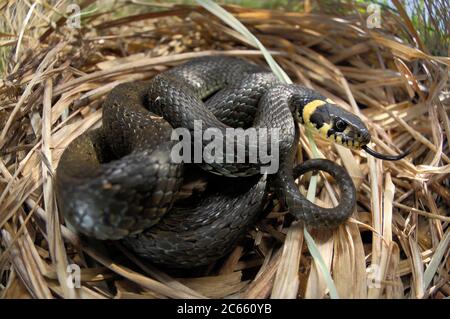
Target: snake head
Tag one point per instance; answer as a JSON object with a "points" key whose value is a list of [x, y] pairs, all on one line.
{"points": [[346, 128], [323, 116], [334, 123]]}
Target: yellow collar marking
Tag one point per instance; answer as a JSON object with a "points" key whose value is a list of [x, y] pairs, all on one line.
{"points": [[324, 130], [309, 109]]}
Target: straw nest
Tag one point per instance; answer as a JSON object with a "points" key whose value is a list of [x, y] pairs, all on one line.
{"points": [[56, 77]]}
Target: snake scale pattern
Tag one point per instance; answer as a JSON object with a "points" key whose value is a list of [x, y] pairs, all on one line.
{"points": [[119, 182]]}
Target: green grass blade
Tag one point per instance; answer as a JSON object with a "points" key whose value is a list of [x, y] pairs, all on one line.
{"points": [[441, 249], [321, 264], [309, 240], [229, 19]]}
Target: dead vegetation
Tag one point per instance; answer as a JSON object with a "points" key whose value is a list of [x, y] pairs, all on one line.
{"points": [[55, 78]]}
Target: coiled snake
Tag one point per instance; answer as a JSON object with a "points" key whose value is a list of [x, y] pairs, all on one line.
{"points": [[120, 181]]}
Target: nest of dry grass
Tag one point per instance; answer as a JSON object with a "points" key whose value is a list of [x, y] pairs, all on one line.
{"points": [[395, 246]]}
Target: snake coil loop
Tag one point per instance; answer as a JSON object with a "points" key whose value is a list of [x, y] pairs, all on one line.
{"points": [[120, 181]]}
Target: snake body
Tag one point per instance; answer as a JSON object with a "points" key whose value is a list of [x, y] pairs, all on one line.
{"points": [[120, 182]]}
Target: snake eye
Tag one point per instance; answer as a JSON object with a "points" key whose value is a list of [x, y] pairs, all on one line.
{"points": [[340, 125]]}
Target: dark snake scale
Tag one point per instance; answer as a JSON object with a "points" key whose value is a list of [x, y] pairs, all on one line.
{"points": [[119, 182]]}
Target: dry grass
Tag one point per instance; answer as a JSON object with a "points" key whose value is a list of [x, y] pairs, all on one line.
{"points": [[396, 244]]}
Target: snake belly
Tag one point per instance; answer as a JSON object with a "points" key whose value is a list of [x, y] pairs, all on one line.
{"points": [[120, 182]]}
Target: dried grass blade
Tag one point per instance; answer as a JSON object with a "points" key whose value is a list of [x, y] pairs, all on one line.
{"points": [[286, 279], [139, 279], [56, 244]]}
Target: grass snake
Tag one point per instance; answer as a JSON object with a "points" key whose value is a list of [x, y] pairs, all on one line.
{"points": [[119, 182]]}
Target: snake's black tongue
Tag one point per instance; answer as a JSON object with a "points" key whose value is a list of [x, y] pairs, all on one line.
{"points": [[383, 156]]}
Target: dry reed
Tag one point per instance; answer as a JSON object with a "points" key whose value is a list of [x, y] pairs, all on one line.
{"points": [[54, 81]]}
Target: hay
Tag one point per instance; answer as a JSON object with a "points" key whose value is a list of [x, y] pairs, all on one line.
{"points": [[55, 79]]}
